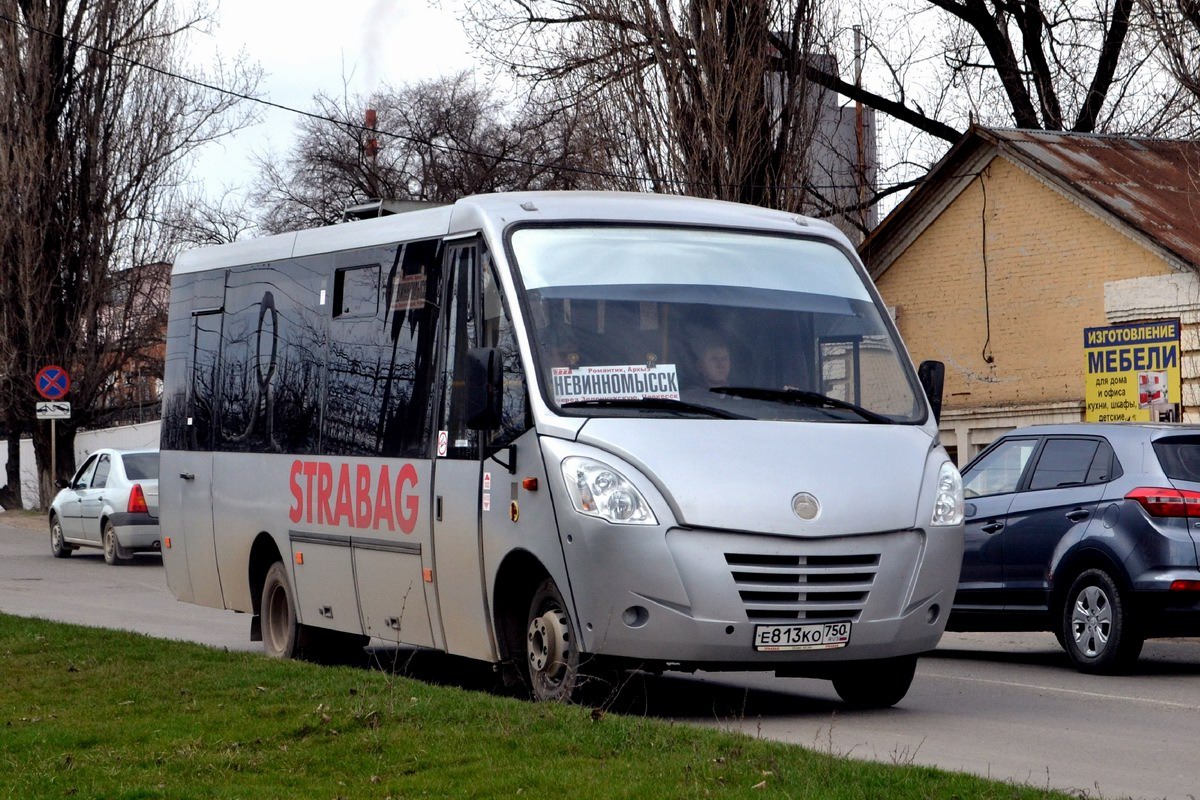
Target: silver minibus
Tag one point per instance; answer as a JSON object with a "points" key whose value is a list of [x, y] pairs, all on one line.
{"points": [[565, 433]]}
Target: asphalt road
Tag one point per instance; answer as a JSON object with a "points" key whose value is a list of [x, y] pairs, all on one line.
{"points": [[1006, 706]]}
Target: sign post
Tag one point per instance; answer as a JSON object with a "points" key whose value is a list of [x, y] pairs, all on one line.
{"points": [[52, 382]]}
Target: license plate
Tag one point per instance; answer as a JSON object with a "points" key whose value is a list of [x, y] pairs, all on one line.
{"points": [[820, 636]]}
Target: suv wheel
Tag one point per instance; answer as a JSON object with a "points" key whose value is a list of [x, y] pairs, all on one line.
{"points": [[1096, 625]]}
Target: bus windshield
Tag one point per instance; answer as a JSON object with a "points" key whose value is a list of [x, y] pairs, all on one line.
{"points": [[662, 321]]}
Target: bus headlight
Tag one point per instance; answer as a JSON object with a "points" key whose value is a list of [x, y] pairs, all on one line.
{"points": [[948, 505], [598, 490]]}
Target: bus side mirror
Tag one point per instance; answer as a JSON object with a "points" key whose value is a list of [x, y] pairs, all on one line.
{"points": [[485, 388], [932, 375]]}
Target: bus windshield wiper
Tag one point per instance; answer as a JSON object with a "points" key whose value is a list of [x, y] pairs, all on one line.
{"points": [[801, 397], [655, 403]]}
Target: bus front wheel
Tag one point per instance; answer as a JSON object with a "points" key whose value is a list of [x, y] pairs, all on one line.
{"points": [[280, 631], [551, 646], [875, 684]]}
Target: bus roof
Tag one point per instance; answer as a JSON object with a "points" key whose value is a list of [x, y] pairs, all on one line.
{"points": [[494, 212]]}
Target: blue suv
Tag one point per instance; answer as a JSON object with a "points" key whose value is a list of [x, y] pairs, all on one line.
{"points": [[1086, 530]]}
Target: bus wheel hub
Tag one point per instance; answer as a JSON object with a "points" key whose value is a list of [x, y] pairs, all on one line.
{"points": [[546, 642]]}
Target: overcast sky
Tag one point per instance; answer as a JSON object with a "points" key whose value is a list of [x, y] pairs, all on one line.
{"points": [[305, 46]]}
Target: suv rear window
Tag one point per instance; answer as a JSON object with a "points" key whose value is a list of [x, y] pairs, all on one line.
{"points": [[1179, 457]]}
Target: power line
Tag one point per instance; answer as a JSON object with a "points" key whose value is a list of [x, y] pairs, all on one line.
{"points": [[644, 179]]}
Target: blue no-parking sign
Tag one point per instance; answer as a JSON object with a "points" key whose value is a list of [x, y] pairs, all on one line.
{"points": [[52, 382]]}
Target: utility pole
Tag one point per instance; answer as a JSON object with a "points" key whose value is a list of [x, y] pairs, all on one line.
{"points": [[860, 166]]}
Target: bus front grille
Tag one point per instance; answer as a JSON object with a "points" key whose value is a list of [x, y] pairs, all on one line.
{"points": [[782, 588]]}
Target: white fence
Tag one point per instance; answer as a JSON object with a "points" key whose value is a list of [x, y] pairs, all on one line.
{"points": [[126, 437]]}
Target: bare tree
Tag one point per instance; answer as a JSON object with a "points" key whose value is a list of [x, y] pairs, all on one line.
{"points": [[432, 141], [1059, 65], [676, 81], [1176, 24], [706, 97], [195, 218], [97, 132]]}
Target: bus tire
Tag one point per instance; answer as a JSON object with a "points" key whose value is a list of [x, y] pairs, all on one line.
{"points": [[280, 630], [880, 683], [551, 647]]}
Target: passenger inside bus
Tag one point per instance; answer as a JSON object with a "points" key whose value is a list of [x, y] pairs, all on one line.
{"points": [[715, 363]]}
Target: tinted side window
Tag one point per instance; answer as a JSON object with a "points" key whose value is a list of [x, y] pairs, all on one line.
{"points": [[299, 380], [1064, 462], [206, 355], [190, 294], [359, 358], [1179, 457], [356, 291], [103, 467], [239, 397], [1104, 466], [272, 358], [461, 335], [381, 351], [999, 470], [497, 332]]}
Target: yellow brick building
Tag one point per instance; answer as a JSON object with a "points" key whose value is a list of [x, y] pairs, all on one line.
{"points": [[1019, 241]]}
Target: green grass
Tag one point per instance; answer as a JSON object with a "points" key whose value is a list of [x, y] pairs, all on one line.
{"points": [[92, 713]]}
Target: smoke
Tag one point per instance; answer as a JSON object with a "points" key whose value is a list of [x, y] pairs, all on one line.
{"points": [[383, 16]]}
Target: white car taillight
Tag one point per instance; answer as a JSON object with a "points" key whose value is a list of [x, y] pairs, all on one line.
{"points": [[137, 500]]}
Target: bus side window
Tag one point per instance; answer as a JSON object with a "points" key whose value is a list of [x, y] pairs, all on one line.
{"points": [[412, 312], [359, 361], [497, 332], [272, 358], [461, 335], [206, 354], [382, 337]]}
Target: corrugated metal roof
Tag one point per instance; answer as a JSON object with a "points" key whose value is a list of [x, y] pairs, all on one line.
{"points": [[1151, 185]]}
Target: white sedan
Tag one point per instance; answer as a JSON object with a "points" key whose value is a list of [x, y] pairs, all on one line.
{"points": [[111, 502]]}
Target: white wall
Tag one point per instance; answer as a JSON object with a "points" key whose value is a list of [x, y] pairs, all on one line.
{"points": [[126, 437]]}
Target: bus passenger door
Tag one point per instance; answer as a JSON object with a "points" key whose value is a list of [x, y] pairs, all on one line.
{"points": [[458, 574]]}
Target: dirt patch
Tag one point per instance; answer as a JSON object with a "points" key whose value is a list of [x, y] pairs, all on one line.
{"points": [[26, 520]]}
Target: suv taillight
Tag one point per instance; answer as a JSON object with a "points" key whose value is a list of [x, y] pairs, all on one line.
{"points": [[1167, 502], [137, 500]]}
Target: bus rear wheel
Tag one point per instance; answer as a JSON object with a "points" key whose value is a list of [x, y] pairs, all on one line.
{"points": [[280, 631], [551, 647], [284, 637]]}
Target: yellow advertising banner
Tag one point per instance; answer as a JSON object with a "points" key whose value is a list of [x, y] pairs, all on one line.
{"points": [[1132, 372]]}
